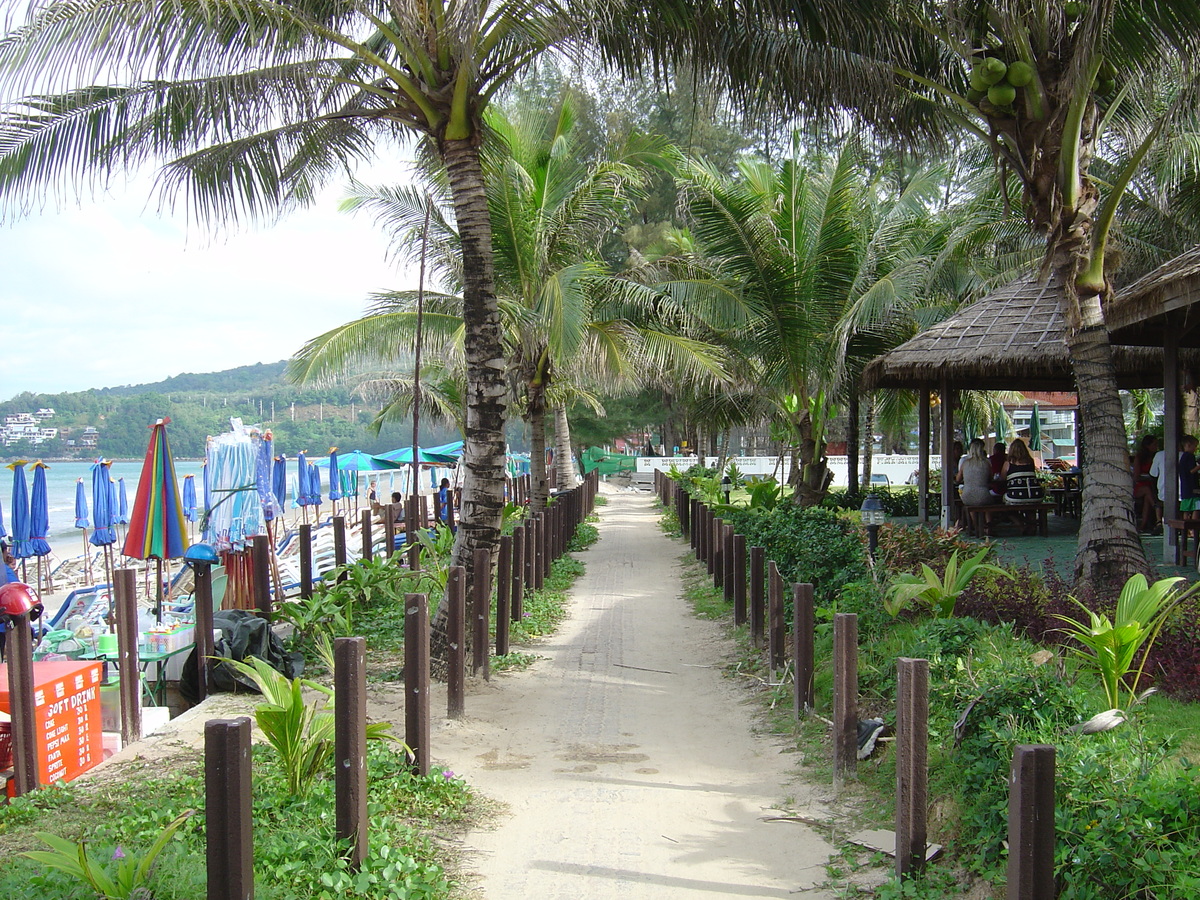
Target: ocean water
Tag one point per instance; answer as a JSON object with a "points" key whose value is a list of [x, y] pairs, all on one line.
{"points": [[60, 491]]}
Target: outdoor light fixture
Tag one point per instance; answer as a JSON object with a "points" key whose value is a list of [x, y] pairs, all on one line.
{"points": [[873, 515], [726, 487]]}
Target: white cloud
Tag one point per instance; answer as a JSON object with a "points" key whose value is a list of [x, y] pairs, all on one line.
{"points": [[111, 292]]}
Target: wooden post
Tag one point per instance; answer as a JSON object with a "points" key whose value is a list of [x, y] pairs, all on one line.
{"points": [[260, 558], [306, 584], [227, 775], [416, 679], [518, 573], [456, 637], [339, 544], [481, 610], [350, 744], [389, 529], [450, 510], [125, 597], [693, 523], [204, 626], [530, 553], [739, 579], [758, 558], [923, 452], [803, 631], [368, 534], [704, 526], [424, 501], [776, 628], [504, 584], [912, 776], [23, 703], [539, 552], [715, 534], [845, 697], [1031, 823], [948, 461], [728, 564]]}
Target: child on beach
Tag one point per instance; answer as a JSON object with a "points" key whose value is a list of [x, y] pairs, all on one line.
{"points": [[1188, 499]]}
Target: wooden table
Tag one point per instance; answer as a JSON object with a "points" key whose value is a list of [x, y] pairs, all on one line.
{"points": [[977, 515]]}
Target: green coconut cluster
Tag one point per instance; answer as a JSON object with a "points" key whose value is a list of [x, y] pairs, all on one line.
{"points": [[995, 83]]}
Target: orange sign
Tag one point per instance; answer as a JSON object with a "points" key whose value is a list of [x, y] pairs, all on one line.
{"points": [[66, 699]]}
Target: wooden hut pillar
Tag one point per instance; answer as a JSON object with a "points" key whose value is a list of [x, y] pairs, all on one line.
{"points": [[1169, 486], [923, 452], [948, 459]]}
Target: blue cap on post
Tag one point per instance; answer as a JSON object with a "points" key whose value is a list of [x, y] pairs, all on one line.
{"points": [[201, 553]]}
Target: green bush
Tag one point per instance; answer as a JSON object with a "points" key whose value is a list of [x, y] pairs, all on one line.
{"points": [[812, 545], [899, 501]]}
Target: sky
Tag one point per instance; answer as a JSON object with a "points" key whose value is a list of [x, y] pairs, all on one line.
{"points": [[107, 291]]}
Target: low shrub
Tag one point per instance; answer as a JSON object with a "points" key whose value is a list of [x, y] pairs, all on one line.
{"points": [[904, 548], [901, 501]]}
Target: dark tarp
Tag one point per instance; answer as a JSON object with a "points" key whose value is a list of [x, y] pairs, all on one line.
{"points": [[243, 634]]}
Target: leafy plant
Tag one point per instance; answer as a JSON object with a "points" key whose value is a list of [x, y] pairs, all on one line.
{"points": [[938, 592], [765, 495], [129, 881], [1109, 647], [302, 733]]}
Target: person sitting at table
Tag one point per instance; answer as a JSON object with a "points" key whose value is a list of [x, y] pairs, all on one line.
{"points": [[975, 476], [1020, 481], [997, 459], [1144, 483]]}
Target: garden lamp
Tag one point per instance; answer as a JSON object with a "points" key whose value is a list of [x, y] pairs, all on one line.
{"points": [[726, 487], [873, 515]]}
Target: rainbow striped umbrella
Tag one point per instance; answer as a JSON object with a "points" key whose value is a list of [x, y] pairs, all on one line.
{"points": [[156, 524]]}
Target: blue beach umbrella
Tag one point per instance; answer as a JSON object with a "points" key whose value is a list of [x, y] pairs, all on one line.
{"points": [[189, 497], [3, 530], [314, 485], [279, 480], [335, 477], [19, 510], [81, 507], [122, 503], [358, 461], [39, 512], [264, 481], [302, 492], [102, 516]]}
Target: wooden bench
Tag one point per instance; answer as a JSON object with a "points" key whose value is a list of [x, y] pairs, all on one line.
{"points": [[1181, 530], [1030, 513]]}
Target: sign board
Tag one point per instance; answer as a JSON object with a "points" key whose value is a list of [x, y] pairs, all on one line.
{"points": [[66, 699]]}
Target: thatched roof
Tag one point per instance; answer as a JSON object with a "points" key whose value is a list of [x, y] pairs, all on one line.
{"points": [[1011, 339], [1164, 298]]}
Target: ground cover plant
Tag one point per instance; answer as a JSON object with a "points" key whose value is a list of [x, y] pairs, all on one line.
{"points": [[296, 856], [1128, 799]]}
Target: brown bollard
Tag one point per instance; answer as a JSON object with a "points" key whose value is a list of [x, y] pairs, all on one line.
{"points": [[845, 697], [339, 546], [204, 626], [450, 510], [683, 510], [125, 598], [912, 774], [350, 744], [518, 574], [540, 557], [504, 584], [456, 639], [306, 584], [530, 552], [739, 579], [803, 653], [260, 559], [693, 520], [412, 512], [714, 548], [368, 535], [227, 773], [717, 563], [728, 563], [703, 529], [416, 680], [389, 529], [758, 600], [424, 510], [1031, 823], [23, 703], [481, 612], [776, 626]]}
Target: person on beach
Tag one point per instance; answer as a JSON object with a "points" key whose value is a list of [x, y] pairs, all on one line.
{"points": [[1187, 477]]}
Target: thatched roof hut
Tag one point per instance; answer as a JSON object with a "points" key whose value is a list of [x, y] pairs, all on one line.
{"points": [[1011, 339], [1141, 312]]}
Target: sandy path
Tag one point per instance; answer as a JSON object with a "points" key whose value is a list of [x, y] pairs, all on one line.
{"points": [[628, 766]]}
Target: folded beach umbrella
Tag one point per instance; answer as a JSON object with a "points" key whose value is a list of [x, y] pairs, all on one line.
{"points": [[156, 523], [279, 480], [3, 531], [1035, 429], [189, 497], [335, 477], [314, 485], [81, 507], [19, 510], [102, 515], [39, 512], [264, 480], [122, 503], [302, 497]]}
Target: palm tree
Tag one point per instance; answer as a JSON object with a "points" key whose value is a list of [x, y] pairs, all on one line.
{"points": [[248, 105], [566, 321], [815, 261]]}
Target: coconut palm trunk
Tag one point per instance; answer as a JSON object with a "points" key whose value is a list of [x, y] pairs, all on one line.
{"points": [[564, 459], [535, 415], [483, 449]]}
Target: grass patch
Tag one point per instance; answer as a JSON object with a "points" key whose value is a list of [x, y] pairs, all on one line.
{"points": [[514, 661]]}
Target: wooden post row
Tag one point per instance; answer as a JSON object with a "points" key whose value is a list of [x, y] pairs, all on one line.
{"points": [[803, 631], [776, 626], [504, 592], [481, 611], [350, 744], [456, 639], [416, 680]]}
